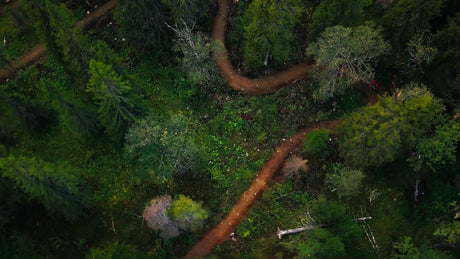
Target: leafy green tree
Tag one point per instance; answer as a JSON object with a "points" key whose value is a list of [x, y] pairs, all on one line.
{"points": [[163, 148], [142, 22], [421, 51], [344, 180], [76, 116], [196, 49], [345, 56], [321, 244], [109, 92], [406, 249], [405, 18], [316, 142], [332, 12], [58, 188], [269, 31], [449, 233], [438, 151], [386, 131], [446, 64], [188, 215]]}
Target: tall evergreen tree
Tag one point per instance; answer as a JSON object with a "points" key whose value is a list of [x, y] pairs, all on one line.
{"points": [[109, 92], [58, 188]]}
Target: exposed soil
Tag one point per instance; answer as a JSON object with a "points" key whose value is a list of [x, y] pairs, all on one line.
{"points": [[271, 83], [239, 211], [39, 51], [253, 86]]}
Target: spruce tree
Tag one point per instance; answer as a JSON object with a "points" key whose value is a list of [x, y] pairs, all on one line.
{"points": [[58, 188]]}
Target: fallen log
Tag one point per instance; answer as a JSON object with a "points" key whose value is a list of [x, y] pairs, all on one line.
{"points": [[280, 233]]}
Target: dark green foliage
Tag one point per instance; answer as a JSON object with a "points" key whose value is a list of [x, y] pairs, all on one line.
{"points": [[142, 22], [269, 31], [109, 92], [438, 151], [321, 244], [188, 11], [117, 251], [316, 142], [384, 132], [77, 116], [328, 211], [164, 149], [58, 188], [55, 25], [332, 12], [443, 72], [405, 18]]}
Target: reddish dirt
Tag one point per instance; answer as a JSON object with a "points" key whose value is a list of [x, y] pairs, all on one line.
{"points": [[221, 232], [239, 211], [254, 86], [39, 51]]}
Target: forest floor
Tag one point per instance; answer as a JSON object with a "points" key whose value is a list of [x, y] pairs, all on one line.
{"points": [[39, 51], [257, 86]]}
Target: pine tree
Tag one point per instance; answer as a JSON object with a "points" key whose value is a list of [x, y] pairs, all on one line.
{"points": [[109, 92], [58, 188]]}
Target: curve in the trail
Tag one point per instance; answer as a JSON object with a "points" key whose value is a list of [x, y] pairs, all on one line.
{"points": [[39, 51], [255, 86], [239, 211]]}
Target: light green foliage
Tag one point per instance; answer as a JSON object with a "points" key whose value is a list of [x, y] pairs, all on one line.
{"points": [[449, 233], [196, 60], [316, 142], [162, 148], [421, 51], [109, 92], [188, 215], [332, 12], [384, 132], [142, 22], [345, 56], [269, 31], [58, 188], [116, 251], [321, 244], [438, 151], [344, 180]]}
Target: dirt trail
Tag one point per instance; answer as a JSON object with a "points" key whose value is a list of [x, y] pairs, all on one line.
{"points": [[254, 86], [39, 51], [271, 83], [238, 212]]}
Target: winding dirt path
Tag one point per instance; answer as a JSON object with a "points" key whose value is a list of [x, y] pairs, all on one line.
{"points": [[254, 86], [39, 51], [271, 83]]}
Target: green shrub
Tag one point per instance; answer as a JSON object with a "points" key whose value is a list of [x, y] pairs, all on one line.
{"points": [[316, 143]]}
